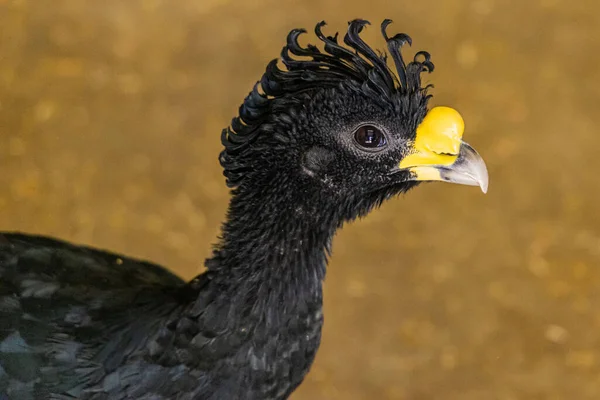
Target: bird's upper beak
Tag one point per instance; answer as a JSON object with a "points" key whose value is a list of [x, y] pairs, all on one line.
{"points": [[439, 154]]}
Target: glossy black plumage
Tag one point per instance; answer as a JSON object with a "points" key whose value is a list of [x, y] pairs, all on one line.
{"points": [[88, 324]]}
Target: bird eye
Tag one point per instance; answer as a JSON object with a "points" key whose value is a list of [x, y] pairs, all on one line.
{"points": [[370, 137]]}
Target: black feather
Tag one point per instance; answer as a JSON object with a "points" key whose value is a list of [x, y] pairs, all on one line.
{"points": [[358, 64], [82, 323]]}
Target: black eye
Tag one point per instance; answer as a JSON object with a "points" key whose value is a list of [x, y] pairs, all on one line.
{"points": [[370, 137]]}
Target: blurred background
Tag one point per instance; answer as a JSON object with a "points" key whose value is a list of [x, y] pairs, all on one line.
{"points": [[110, 116]]}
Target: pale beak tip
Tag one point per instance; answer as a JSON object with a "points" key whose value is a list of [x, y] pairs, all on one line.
{"points": [[484, 187], [483, 179]]}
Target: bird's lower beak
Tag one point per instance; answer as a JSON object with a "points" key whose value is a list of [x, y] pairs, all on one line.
{"points": [[439, 154]]}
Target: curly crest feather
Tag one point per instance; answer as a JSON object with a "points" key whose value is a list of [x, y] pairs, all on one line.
{"points": [[359, 64]]}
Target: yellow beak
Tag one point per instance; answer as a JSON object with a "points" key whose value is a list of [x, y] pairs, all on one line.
{"points": [[439, 154]]}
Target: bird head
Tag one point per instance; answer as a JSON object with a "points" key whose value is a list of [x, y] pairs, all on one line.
{"points": [[339, 125]]}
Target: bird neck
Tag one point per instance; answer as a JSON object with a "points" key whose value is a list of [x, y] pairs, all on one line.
{"points": [[276, 237]]}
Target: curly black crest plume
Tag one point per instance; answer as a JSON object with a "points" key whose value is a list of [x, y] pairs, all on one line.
{"points": [[359, 65]]}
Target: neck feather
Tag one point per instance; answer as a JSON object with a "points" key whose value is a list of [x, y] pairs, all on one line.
{"points": [[277, 238]]}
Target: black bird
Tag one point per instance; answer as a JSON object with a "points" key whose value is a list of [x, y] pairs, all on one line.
{"points": [[317, 143]]}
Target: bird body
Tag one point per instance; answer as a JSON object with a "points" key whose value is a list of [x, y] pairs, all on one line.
{"points": [[140, 332], [314, 146]]}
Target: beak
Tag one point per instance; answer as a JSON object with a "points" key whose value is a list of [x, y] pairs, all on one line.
{"points": [[439, 154]]}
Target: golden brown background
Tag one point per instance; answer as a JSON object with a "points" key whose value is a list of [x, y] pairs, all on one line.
{"points": [[110, 116]]}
